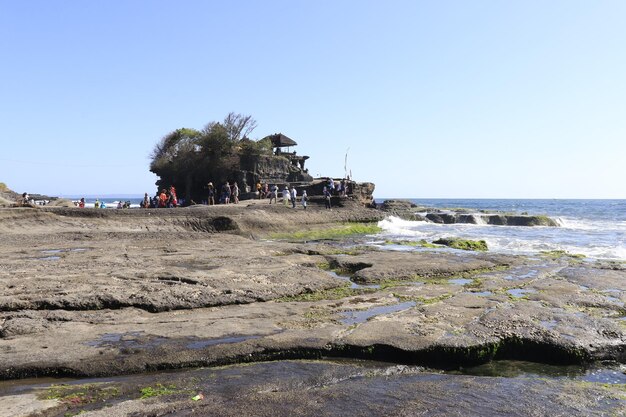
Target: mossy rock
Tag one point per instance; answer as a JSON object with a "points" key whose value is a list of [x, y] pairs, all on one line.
{"points": [[520, 220], [417, 243], [463, 244], [336, 232], [557, 254]]}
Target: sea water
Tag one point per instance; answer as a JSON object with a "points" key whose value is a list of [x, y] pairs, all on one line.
{"points": [[109, 201], [594, 228]]}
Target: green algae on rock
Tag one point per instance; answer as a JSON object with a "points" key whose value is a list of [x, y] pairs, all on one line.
{"points": [[419, 243], [557, 254], [463, 244], [338, 231]]}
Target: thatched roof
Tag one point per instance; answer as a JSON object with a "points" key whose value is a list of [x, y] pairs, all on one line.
{"points": [[280, 141]]}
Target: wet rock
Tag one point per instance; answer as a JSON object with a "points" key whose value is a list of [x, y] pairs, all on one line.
{"points": [[401, 208], [324, 388], [463, 244], [376, 267], [21, 326], [520, 220], [146, 293], [491, 219]]}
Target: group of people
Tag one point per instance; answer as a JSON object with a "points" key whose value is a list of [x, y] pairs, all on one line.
{"points": [[339, 188], [101, 204], [97, 204], [289, 196], [124, 205], [166, 198], [228, 193]]}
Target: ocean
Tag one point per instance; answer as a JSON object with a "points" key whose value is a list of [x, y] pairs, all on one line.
{"points": [[109, 201], [594, 228]]}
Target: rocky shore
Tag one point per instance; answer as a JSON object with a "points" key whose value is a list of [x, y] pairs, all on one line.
{"points": [[409, 211], [106, 293]]}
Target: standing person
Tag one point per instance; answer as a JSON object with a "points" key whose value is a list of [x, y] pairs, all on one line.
{"points": [[211, 194], [226, 193], [235, 193], [293, 194], [274, 194], [265, 190], [163, 198], [81, 203], [146, 201], [173, 198], [258, 189], [305, 198], [327, 197], [286, 196], [97, 203]]}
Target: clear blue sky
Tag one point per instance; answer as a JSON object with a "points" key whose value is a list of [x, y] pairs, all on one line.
{"points": [[476, 99]]}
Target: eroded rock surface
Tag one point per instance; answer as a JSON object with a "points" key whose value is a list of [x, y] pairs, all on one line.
{"points": [[93, 293], [323, 388]]}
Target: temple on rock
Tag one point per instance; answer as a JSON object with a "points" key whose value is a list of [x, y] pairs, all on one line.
{"points": [[283, 166], [280, 141], [286, 167], [272, 161]]}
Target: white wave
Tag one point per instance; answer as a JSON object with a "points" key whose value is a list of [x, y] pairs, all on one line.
{"points": [[576, 224], [480, 220], [594, 239], [112, 205], [591, 225], [396, 224], [533, 246]]}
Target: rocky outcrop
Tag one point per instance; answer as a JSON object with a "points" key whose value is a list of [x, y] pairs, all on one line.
{"points": [[5, 202], [363, 191], [463, 244], [8, 197], [401, 208], [275, 170], [359, 192], [492, 219], [409, 211]]}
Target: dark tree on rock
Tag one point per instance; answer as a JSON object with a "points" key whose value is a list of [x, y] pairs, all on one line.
{"points": [[176, 159], [188, 159], [238, 126]]}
